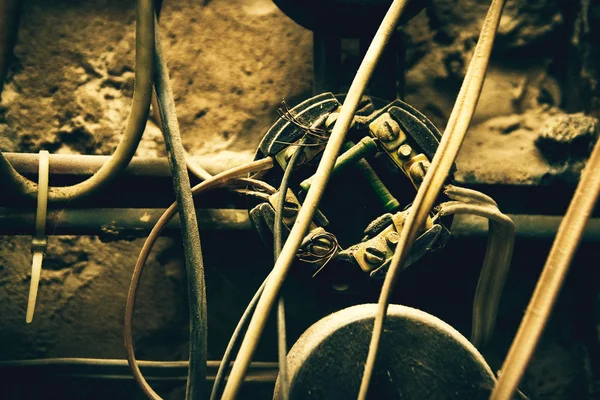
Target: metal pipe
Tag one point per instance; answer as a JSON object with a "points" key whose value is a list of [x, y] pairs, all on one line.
{"points": [[137, 222], [537, 227], [84, 166], [327, 62], [115, 223], [94, 368]]}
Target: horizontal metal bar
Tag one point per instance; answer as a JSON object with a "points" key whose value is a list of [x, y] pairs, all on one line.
{"points": [[95, 368], [128, 223], [146, 182], [84, 166], [542, 227], [114, 223]]}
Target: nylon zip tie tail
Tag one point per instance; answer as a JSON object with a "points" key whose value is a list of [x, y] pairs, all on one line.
{"points": [[39, 241]]}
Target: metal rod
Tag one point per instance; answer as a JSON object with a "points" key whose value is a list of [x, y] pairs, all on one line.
{"points": [[95, 368], [85, 166], [130, 223], [115, 223]]}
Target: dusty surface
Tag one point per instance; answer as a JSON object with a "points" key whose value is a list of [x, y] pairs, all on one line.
{"points": [[232, 62]]}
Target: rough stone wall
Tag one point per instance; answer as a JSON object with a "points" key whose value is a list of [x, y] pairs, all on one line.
{"points": [[69, 91], [232, 62]]}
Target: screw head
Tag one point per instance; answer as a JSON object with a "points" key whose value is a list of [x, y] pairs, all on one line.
{"points": [[388, 129], [404, 151], [321, 246], [373, 256], [418, 170], [290, 209], [392, 238]]}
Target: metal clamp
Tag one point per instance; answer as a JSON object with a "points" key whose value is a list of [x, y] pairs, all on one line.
{"points": [[39, 241]]}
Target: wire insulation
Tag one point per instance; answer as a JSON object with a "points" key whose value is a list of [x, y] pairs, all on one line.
{"points": [[234, 342], [218, 180], [194, 263], [312, 200], [436, 175], [496, 263], [277, 246]]}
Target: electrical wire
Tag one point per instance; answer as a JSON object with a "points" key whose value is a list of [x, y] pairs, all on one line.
{"points": [[546, 291], [194, 262], [136, 122], [468, 195], [496, 263], [203, 174], [217, 181], [245, 319], [277, 245], [443, 159], [234, 341], [309, 207]]}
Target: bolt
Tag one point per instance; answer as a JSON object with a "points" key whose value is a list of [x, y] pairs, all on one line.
{"points": [[418, 170], [321, 246], [290, 209], [388, 129], [374, 256], [404, 151], [392, 238]]}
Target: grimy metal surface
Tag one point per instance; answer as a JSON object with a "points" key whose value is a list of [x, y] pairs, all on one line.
{"points": [[137, 222]]}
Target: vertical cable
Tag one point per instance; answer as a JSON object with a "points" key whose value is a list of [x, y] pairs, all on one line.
{"points": [[189, 227], [312, 200], [548, 286], [434, 179], [277, 245]]}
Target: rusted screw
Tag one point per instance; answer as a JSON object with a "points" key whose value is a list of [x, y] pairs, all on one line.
{"points": [[321, 246], [392, 238], [290, 209], [374, 256], [418, 170], [404, 151], [388, 129]]}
